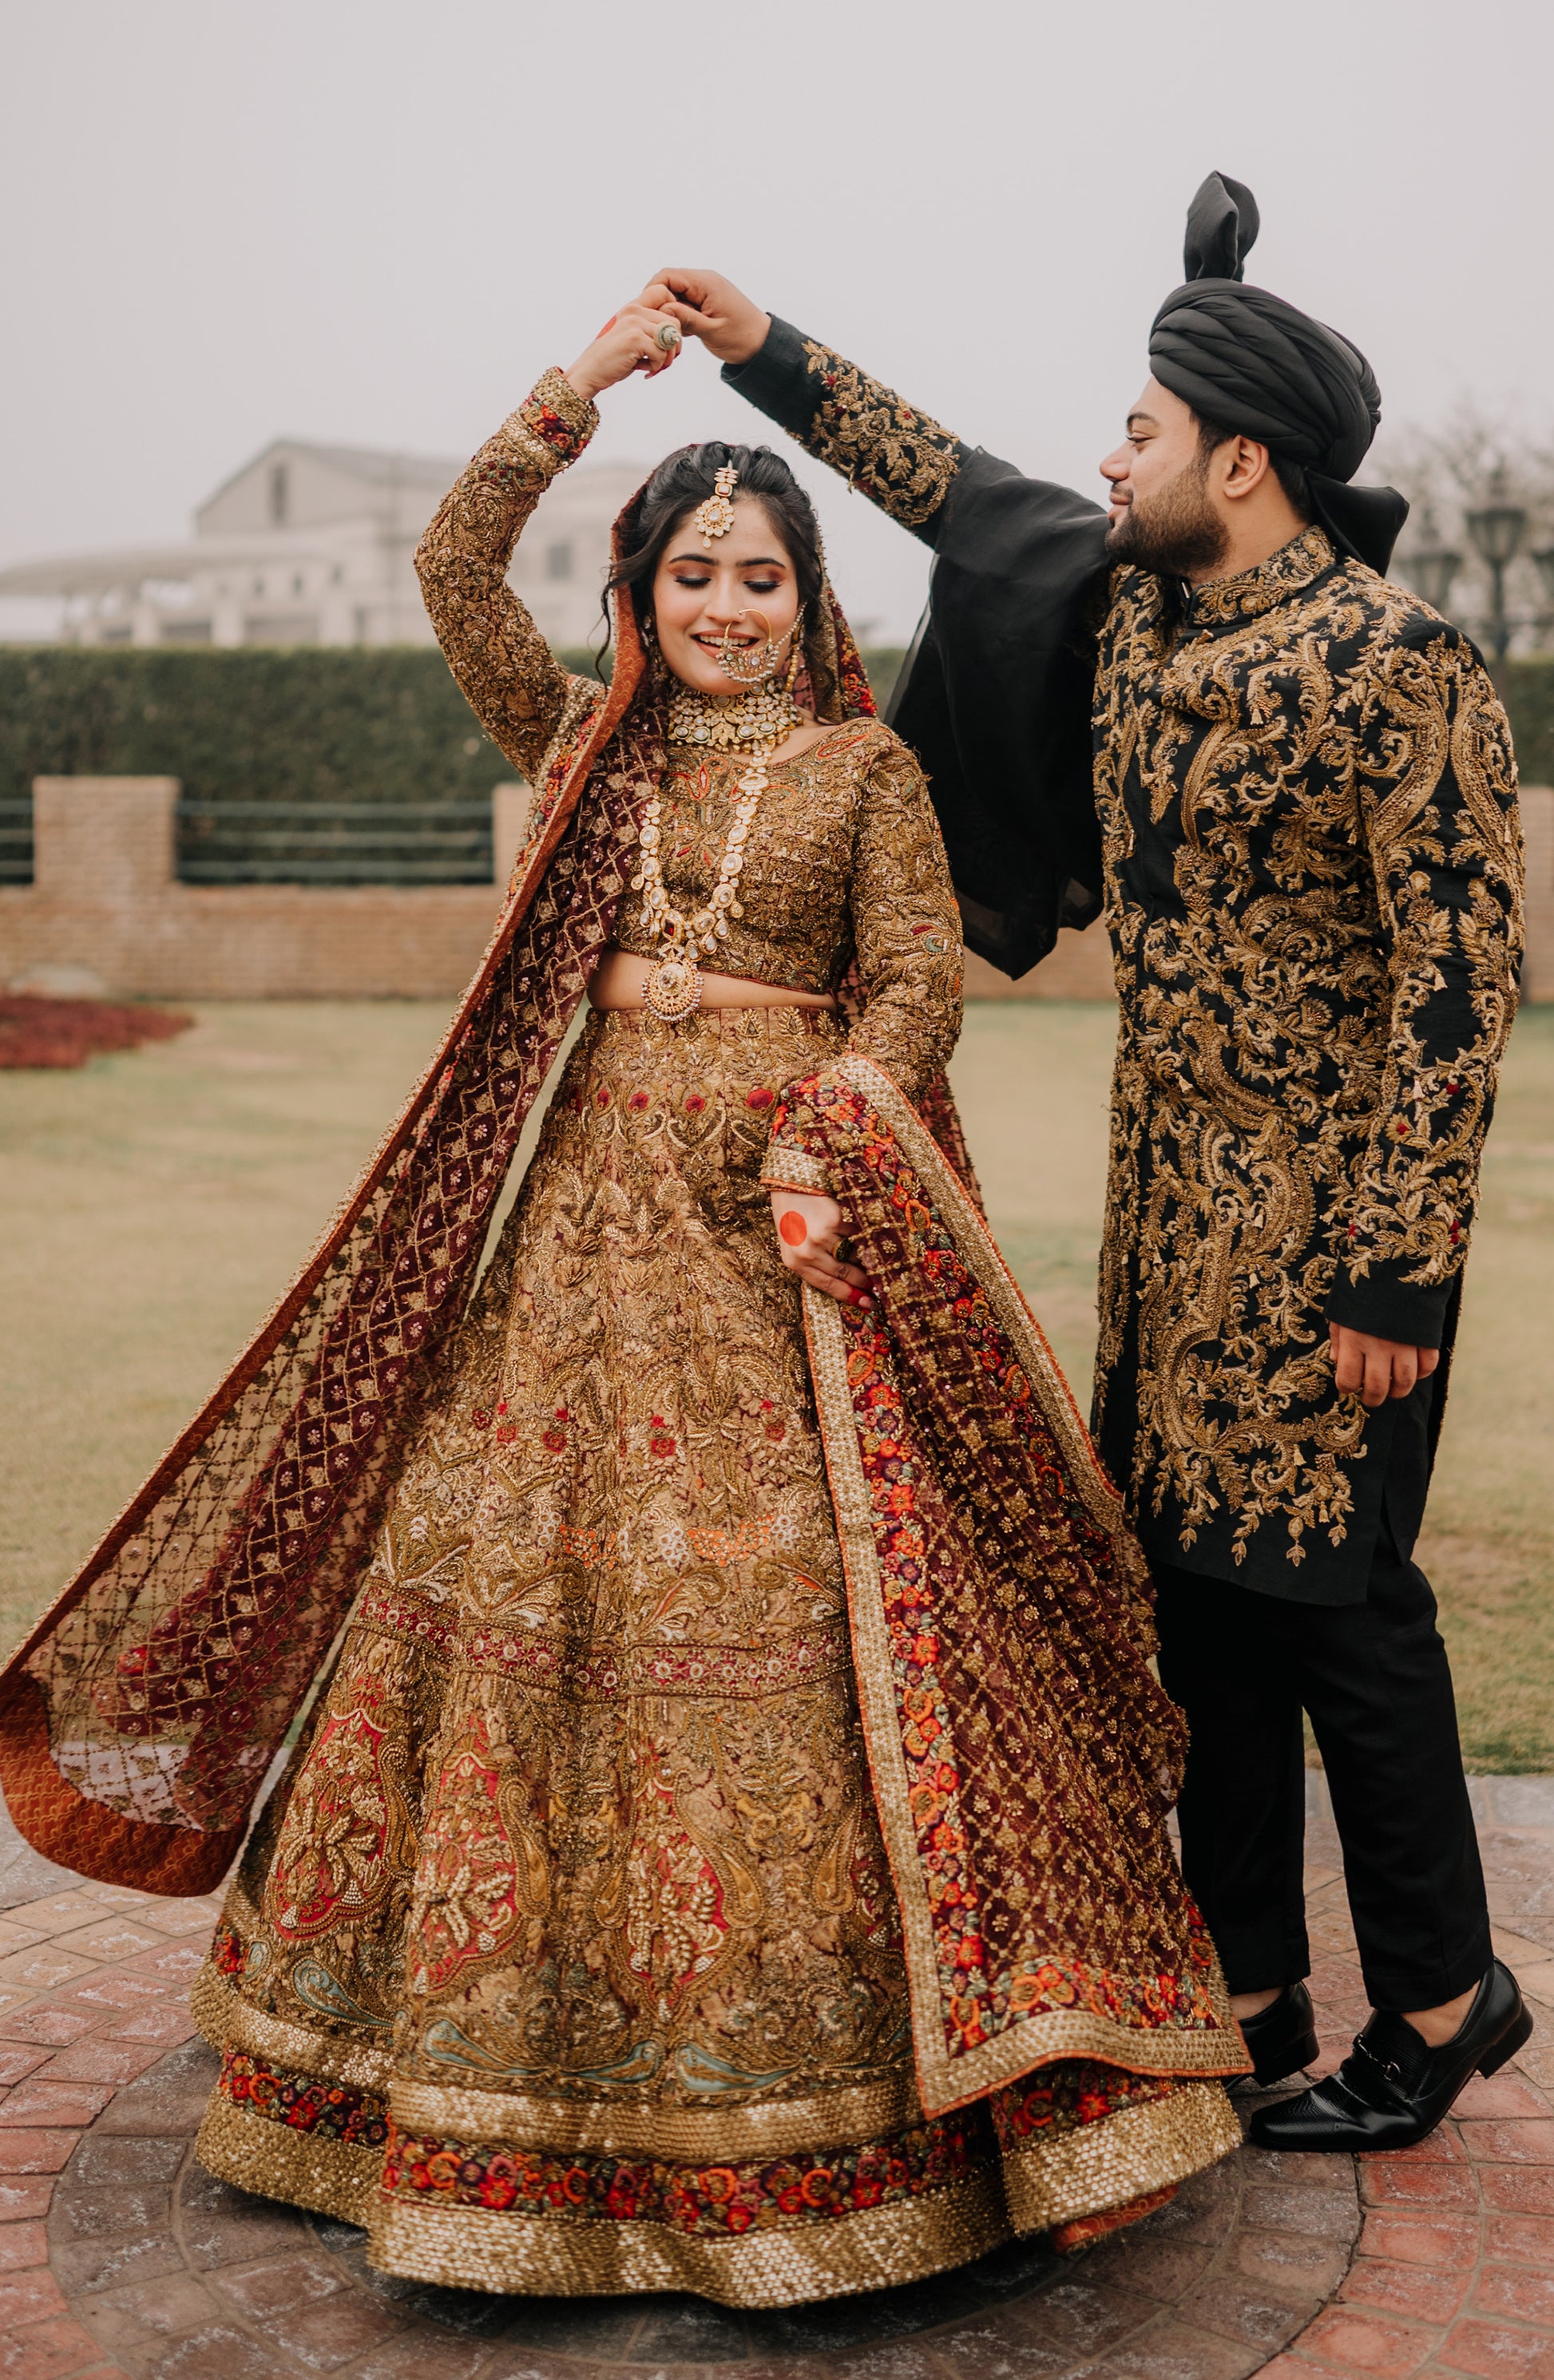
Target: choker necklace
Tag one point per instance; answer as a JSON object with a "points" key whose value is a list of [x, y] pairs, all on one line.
{"points": [[757, 722], [733, 722]]}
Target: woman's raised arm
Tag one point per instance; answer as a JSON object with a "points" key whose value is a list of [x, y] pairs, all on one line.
{"points": [[511, 680]]}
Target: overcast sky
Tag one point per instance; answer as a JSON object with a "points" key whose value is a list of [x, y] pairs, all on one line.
{"points": [[377, 223]]}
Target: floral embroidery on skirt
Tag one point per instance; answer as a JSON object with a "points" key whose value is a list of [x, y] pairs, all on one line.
{"points": [[567, 1957]]}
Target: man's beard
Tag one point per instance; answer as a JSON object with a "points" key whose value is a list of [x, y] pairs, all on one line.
{"points": [[1175, 532]]}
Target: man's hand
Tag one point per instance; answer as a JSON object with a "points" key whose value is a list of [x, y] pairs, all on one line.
{"points": [[1373, 1369], [720, 315], [809, 1234]]}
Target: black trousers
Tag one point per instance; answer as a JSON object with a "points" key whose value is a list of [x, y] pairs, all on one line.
{"points": [[1374, 1677]]}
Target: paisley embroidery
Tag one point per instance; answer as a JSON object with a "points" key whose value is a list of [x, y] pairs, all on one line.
{"points": [[1314, 885], [885, 447], [348, 1837], [482, 1885]]}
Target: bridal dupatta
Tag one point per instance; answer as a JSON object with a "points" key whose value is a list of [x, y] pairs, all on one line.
{"points": [[1021, 1753]]}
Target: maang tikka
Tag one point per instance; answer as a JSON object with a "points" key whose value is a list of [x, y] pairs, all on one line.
{"points": [[714, 515]]}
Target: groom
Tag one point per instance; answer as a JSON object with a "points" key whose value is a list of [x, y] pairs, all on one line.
{"points": [[1288, 786]]}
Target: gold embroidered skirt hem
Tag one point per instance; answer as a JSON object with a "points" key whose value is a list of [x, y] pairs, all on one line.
{"points": [[777, 2264], [774, 2231], [1131, 2154], [325, 2176]]}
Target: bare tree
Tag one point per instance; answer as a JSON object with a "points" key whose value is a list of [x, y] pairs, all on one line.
{"points": [[1477, 462]]}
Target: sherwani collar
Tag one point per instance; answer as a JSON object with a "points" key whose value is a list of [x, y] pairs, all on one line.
{"points": [[1227, 603]]}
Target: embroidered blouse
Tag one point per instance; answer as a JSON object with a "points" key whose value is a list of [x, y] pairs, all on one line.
{"points": [[844, 857]]}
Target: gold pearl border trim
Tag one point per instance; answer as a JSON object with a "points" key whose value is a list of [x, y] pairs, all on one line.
{"points": [[547, 2255], [1125, 2157]]}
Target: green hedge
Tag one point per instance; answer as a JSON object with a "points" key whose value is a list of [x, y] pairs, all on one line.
{"points": [[310, 725], [343, 723]]}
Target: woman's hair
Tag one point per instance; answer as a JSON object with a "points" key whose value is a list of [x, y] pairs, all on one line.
{"points": [[684, 479]]}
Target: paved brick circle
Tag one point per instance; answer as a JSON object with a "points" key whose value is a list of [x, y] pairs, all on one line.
{"points": [[121, 2259], [173, 2272]]}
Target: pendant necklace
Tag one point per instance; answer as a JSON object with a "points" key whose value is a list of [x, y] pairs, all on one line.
{"points": [[754, 722]]}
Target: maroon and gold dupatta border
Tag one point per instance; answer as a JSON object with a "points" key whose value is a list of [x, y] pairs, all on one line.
{"points": [[1002, 1654], [89, 1835]]}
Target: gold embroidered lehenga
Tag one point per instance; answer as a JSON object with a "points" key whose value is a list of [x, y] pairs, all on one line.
{"points": [[727, 1849]]}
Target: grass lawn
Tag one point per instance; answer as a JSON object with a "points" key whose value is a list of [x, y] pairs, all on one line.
{"points": [[154, 1205]]}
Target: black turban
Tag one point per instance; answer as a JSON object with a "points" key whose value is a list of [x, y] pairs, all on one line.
{"points": [[1250, 364]]}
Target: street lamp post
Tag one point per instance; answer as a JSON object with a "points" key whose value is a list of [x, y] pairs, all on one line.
{"points": [[1431, 566], [1497, 530]]}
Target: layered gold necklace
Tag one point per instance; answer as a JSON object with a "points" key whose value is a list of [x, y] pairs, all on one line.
{"points": [[754, 722]]}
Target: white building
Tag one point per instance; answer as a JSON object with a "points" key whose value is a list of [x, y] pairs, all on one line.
{"points": [[314, 545]]}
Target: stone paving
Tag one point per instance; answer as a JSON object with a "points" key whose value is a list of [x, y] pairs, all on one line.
{"points": [[120, 2259]]}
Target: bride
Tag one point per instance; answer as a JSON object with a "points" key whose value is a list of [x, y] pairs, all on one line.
{"points": [[726, 1849]]}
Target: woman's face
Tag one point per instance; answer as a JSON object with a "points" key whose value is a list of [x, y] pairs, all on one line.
{"points": [[701, 593]]}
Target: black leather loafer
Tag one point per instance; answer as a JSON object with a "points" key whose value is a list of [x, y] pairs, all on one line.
{"points": [[1280, 2040], [1394, 2088]]}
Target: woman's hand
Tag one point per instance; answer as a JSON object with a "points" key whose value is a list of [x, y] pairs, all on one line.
{"points": [[722, 318], [808, 1231], [634, 340]]}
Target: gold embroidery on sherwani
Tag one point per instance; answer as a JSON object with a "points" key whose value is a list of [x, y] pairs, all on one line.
{"points": [[1307, 1050], [884, 446]]}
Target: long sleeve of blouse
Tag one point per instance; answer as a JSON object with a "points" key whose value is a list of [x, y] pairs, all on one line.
{"points": [[906, 931], [507, 673], [906, 926]]}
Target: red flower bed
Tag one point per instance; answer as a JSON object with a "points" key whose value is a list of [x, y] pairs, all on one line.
{"points": [[39, 1032]]}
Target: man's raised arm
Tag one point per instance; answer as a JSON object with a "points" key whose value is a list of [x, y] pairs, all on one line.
{"points": [[882, 446]]}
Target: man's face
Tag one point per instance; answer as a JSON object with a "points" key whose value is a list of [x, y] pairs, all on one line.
{"points": [[1161, 513]]}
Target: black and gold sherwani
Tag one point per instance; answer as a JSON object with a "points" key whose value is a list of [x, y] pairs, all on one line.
{"points": [[1310, 865]]}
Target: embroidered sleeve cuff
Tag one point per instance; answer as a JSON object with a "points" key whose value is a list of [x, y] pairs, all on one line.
{"points": [[555, 420], [1386, 1307], [794, 1169], [777, 379]]}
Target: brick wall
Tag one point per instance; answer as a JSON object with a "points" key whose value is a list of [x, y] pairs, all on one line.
{"points": [[107, 911], [105, 904]]}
